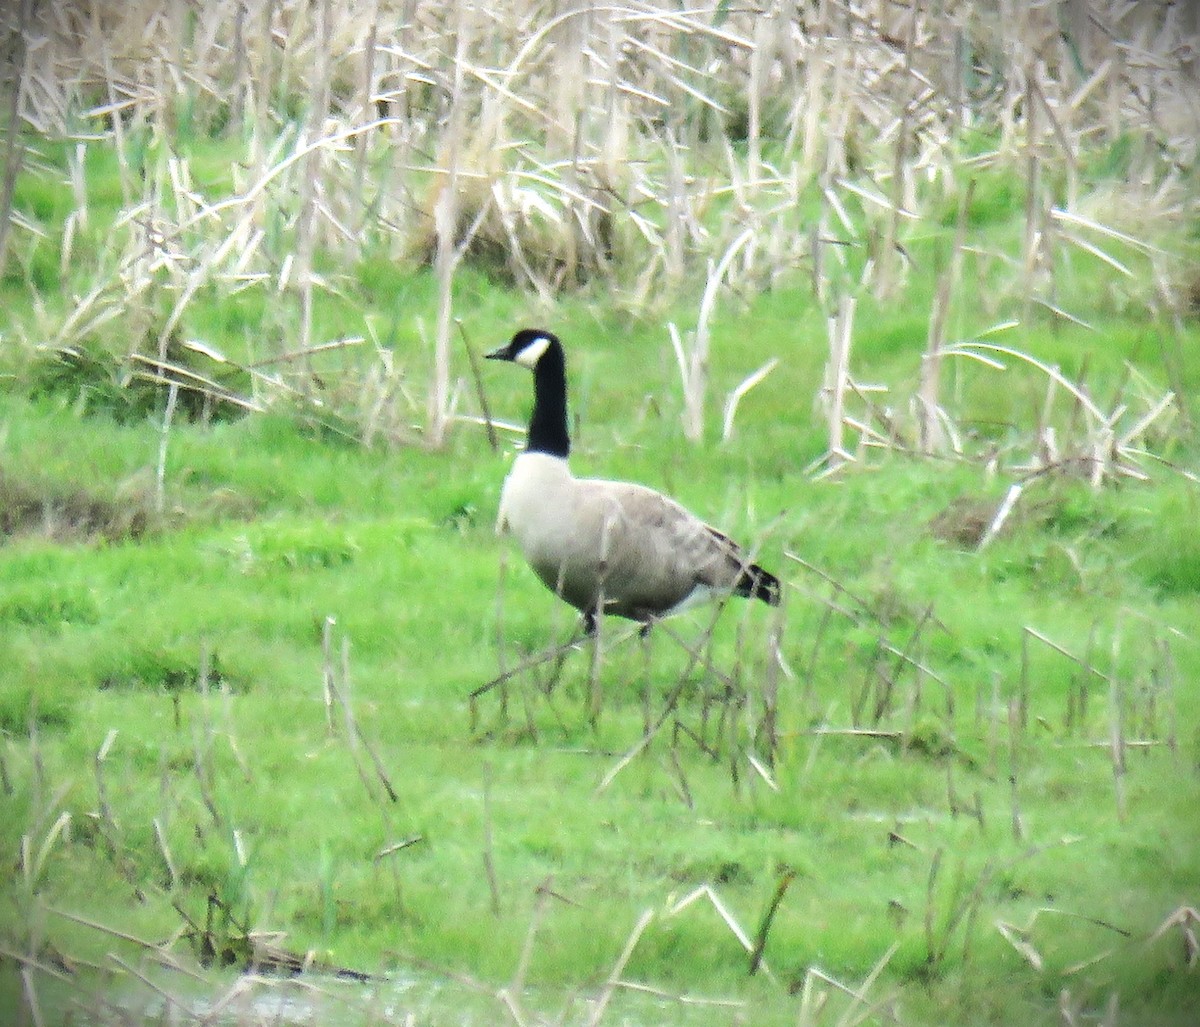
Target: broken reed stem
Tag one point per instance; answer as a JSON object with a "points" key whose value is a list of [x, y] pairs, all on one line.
{"points": [[35, 964], [151, 947], [29, 990], [366, 109], [1014, 748], [695, 655], [912, 710], [950, 716], [237, 112], [14, 149], [203, 771], [501, 588], [931, 432], [1077, 696], [36, 762], [883, 702], [1071, 717], [543, 895], [968, 908], [733, 750], [1117, 741], [161, 838], [614, 977], [1088, 665], [109, 830], [489, 861], [1116, 702], [871, 675], [1033, 203], [1167, 663], [160, 477], [342, 693], [554, 653], [889, 252], [961, 908], [107, 823], [327, 672], [173, 1002], [1006, 507], [837, 378], [311, 179], [203, 756], [808, 701], [993, 741], [1023, 689], [742, 739], [768, 726], [446, 254], [380, 771], [764, 927], [685, 792], [935, 867], [480, 391]]}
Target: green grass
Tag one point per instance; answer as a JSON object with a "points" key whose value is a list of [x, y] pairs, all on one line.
{"points": [[195, 633], [398, 548]]}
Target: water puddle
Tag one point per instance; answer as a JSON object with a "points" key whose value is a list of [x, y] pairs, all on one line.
{"points": [[186, 998]]}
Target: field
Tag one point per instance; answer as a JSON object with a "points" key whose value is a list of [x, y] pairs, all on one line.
{"points": [[906, 298]]}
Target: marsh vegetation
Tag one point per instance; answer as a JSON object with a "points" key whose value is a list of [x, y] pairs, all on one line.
{"points": [[905, 295]]}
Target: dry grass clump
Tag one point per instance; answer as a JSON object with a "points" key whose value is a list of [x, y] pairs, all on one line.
{"points": [[640, 146], [583, 126], [95, 380], [66, 514]]}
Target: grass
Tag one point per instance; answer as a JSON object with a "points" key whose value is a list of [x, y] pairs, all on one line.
{"points": [[199, 641], [953, 779], [269, 530], [115, 635]]}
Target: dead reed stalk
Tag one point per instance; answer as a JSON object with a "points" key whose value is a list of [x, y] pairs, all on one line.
{"points": [[1116, 715], [14, 148], [696, 656], [600, 1003], [446, 228], [160, 477], [1015, 742], [694, 359], [372, 128], [931, 432], [489, 859], [837, 385], [336, 689]]}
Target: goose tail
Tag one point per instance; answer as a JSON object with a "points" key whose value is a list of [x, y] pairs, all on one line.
{"points": [[755, 583]]}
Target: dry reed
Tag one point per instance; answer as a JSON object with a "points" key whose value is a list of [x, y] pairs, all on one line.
{"points": [[576, 147]]}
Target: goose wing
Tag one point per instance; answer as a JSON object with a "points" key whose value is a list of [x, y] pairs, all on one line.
{"points": [[652, 554]]}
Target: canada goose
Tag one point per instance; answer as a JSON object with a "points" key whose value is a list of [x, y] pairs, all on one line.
{"points": [[608, 547]]}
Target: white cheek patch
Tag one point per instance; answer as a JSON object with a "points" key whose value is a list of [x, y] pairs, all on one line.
{"points": [[532, 353]]}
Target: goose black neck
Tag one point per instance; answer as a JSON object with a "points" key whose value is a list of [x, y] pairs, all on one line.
{"points": [[548, 425]]}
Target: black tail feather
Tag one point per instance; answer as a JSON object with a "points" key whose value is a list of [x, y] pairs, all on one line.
{"points": [[755, 583]]}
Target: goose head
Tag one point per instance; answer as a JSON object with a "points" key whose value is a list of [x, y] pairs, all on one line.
{"points": [[542, 353], [528, 347]]}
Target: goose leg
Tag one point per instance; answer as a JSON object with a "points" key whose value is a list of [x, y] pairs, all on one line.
{"points": [[644, 641]]}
